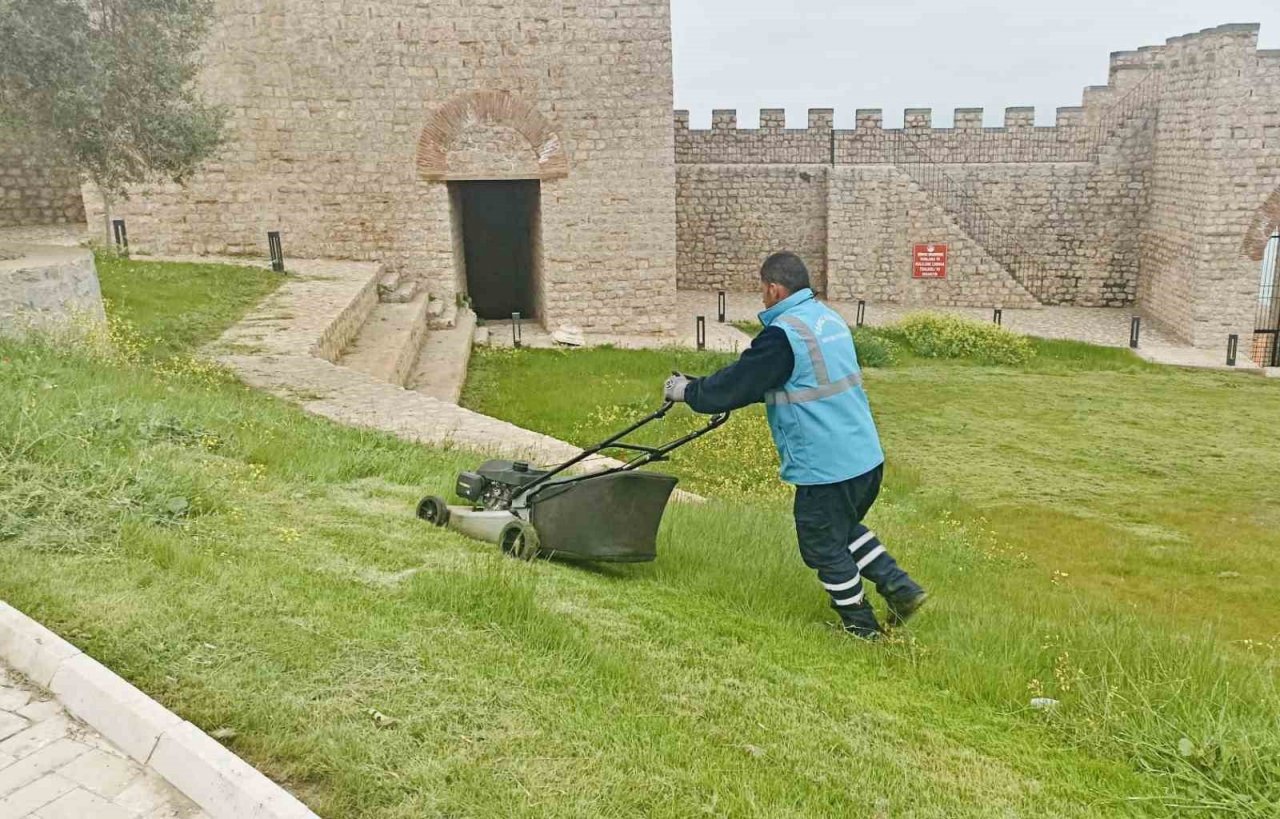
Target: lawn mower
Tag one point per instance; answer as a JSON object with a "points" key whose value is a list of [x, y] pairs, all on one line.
{"points": [[607, 516]]}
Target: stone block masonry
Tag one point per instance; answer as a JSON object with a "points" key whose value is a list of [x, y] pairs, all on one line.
{"points": [[35, 189], [353, 126], [868, 244], [1215, 168], [1156, 193], [350, 120], [730, 215], [1055, 195], [48, 289]]}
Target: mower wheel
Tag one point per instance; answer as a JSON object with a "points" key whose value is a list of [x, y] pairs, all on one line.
{"points": [[519, 540], [434, 510]]}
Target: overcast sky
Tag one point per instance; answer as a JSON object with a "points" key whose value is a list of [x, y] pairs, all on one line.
{"points": [[939, 54]]}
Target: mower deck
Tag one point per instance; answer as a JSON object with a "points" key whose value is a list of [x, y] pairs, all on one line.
{"points": [[610, 516]]}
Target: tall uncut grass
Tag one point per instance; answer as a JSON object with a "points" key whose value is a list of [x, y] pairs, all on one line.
{"points": [[1091, 531]]}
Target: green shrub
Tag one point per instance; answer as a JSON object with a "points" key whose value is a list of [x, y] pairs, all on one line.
{"points": [[935, 335], [874, 348]]}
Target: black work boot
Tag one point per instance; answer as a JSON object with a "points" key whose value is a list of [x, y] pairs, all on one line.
{"points": [[904, 601], [860, 621]]}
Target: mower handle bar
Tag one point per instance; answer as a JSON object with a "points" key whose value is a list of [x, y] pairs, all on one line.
{"points": [[649, 454]]}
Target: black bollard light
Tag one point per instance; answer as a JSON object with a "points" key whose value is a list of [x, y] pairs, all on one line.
{"points": [[723, 305], [1233, 345], [1135, 331], [862, 312], [277, 251], [121, 234], [998, 317], [700, 332], [516, 334]]}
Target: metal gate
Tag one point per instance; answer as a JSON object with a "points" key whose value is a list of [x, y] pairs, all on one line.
{"points": [[1266, 334]]}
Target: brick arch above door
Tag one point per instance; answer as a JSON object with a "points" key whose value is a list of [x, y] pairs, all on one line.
{"points": [[489, 135], [1265, 225]]}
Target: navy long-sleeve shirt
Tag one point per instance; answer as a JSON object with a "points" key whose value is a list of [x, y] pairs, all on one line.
{"points": [[765, 365]]}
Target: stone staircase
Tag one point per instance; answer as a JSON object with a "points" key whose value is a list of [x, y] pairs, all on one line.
{"points": [[390, 339], [1002, 243], [1133, 104], [441, 368], [292, 343], [396, 288], [986, 279], [412, 340]]}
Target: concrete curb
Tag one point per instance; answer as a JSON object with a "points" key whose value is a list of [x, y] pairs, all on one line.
{"points": [[218, 781]]}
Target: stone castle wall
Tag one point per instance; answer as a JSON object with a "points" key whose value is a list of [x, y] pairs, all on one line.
{"points": [[1069, 196], [349, 124], [876, 215], [1215, 164], [348, 121], [1157, 192], [35, 189], [728, 214]]}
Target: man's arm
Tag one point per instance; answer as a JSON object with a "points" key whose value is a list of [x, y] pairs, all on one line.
{"points": [[765, 365]]}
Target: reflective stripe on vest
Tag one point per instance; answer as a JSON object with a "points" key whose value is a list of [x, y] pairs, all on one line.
{"points": [[826, 387], [825, 391], [810, 341]]}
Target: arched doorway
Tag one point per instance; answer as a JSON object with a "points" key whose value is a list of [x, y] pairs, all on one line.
{"points": [[1266, 335], [494, 151]]}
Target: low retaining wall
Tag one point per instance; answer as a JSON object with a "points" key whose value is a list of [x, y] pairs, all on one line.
{"points": [[48, 288]]}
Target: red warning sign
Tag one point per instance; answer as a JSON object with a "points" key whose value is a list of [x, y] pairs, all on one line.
{"points": [[929, 262]]}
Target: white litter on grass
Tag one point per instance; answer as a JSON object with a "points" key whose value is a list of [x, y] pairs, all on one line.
{"points": [[1043, 703], [569, 335]]}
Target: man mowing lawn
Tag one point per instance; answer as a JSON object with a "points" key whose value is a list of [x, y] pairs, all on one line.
{"points": [[804, 367]]}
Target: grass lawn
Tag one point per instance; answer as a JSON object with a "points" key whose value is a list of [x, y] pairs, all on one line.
{"points": [[177, 307], [260, 571]]}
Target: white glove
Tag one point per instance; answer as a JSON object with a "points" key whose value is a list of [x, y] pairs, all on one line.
{"points": [[673, 390]]}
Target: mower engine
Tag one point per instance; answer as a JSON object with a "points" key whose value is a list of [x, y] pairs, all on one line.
{"points": [[493, 485]]}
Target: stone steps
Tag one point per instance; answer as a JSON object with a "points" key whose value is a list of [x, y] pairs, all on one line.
{"points": [[388, 344], [441, 369], [393, 288]]}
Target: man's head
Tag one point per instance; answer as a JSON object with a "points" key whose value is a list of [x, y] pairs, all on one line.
{"points": [[781, 275]]}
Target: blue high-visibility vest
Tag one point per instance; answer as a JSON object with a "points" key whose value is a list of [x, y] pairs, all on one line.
{"points": [[820, 418]]}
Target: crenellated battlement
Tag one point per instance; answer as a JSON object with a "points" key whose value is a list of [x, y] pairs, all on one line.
{"points": [[773, 120], [967, 140], [1075, 136]]}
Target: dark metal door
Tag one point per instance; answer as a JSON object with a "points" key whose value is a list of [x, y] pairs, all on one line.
{"points": [[498, 221]]}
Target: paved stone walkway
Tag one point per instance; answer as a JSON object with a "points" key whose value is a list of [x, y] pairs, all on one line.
{"points": [[286, 345], [57, 235], [719, 337], [52, 766], [275, 348], [1105, 326]]}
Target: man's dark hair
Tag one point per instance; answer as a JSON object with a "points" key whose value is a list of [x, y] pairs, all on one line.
{"points": [[787, 269]]}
